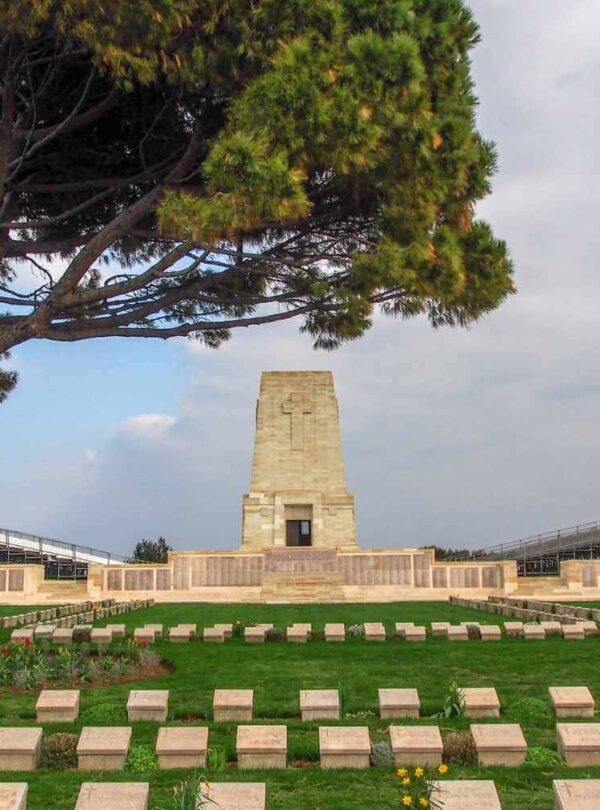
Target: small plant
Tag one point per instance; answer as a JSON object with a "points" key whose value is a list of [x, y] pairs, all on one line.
{"points": [[546, 757], [362, 714], [141, 759], [473, 632], [530, 711], [217, 758], [356, 631], [59, 751], [275, 634], [417, 789], [238, 629], [104, 714], [459, 747], [191, 794], [82, 635], [381, 755], [454, 702]]}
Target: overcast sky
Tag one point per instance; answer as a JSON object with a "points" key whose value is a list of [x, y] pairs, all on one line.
{"points": [[461, 438]]}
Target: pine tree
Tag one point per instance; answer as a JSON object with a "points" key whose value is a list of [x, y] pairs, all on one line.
{"points": [[188, 167]]}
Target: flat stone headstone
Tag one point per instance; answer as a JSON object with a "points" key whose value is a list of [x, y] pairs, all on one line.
{"points": [[467, 794], [415, 634], [235, 795], [335, 631], [100, 635], [590, 628], [534, 632], [190, 627], [23, 634], [416, 745], [303, 626], [62, 635], [297, 635], [576, 794], [144, 635], [500, 744], [182, 747], [113, 796], [232, 704], [320, 704], [117, 630], [490, 632], [457, 633], [156, 628], [103, 748], [226, 628], [148, 704], [374, 631], [261, 746], [572, 701], [513, 628], [43, 632], [255, 635], [179, 635], [57, 706], [481, 702], [213, 635], [579, 743], [439, 628], [401, 627], [573, 632], [552, 628], [20, 749], [344, 746], [398, 703], [13, 796]]}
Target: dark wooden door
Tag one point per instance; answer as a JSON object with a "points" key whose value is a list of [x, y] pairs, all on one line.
{"points": [[298, 533]]}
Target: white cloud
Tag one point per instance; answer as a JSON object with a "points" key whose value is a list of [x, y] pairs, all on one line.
{"points": [[148, 425]]}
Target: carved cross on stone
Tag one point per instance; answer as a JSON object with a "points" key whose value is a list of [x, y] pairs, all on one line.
{"points": [[297, 405]]}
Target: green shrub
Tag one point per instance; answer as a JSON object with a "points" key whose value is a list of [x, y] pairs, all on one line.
{"points": [[82, 635], [538, 755], [59, 751], [104, 714], [141, 759], [275, 634], [356, 631], [459, 747], [529, 710]]}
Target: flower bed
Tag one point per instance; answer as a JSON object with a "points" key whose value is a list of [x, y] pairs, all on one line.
{"points": [[25, 666]]}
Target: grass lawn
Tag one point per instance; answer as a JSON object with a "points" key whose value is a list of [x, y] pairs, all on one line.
{"points": [[12, 610], [358, 668]]}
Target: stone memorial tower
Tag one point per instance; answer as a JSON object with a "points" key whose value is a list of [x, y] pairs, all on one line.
{"points": [[298, 491]]}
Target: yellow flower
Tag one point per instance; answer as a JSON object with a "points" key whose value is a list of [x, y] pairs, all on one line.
{"points": [[401, 772], [443, 768], [419, 772], [407, 801], [405, 782], [424, 802]]}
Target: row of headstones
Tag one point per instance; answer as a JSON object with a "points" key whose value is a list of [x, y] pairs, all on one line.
{"points": [[523, 609], [62, 705], [66, 630], [467, 794], [556, 608], [105, 748], [58, 612]]}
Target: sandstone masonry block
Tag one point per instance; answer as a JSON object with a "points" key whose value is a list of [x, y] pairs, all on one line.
{"points": [[490, 632], [513, 628], [576, 794], [573, 632], [467, 794], [457, 633], [398, 703], [232, 704], [374, 631], [335, 632], [20, 749], [214, 635], [499, 744], [579, 743], [261, 746], [182, 747], [439, 628], [57, 706], [416, 745], [534, 632], [481, 702], [13, 796], [148, 704], [113, 796], [320, 704], [103, 748], [572, 701], [344, 746], [236, 796]]}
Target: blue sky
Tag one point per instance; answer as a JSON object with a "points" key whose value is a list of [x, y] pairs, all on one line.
{"points": [[451, 437]]}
